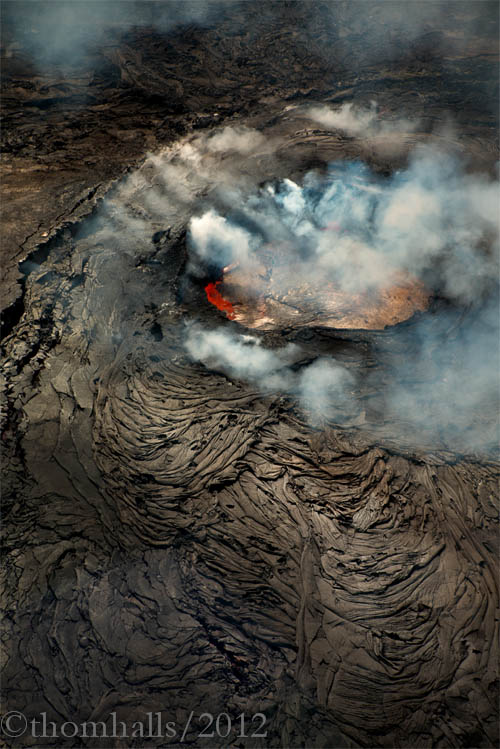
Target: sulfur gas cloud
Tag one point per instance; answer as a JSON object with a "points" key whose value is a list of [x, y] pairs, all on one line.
{"points": [[436, 219]]}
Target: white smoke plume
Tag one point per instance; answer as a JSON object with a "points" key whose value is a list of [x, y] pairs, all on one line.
{"points": [[347, 118], [323, 388], [240, 139], [449, 385], [356, 229], [360, 121], [220, 241], [435, 219], [172, 186], [243, 357]]}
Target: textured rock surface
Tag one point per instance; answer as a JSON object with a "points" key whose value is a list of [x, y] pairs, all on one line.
{"points": [[174, 540]]}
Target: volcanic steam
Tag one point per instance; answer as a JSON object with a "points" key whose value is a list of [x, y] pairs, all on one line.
{"points": [[347, 249], [281, 248]]}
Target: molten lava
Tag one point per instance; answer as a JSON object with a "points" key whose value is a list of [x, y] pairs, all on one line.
{"points": [[275, 293], [215, 297]]}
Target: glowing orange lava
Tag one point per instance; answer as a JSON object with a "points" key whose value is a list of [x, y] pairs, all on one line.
{"points": [[276, 294], [215, 297]]}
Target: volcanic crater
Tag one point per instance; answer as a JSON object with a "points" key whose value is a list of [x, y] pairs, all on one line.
{"points": [[251, 424]]}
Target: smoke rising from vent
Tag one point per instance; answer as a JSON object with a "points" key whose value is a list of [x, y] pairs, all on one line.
{"points": [[242, 356], [357, 230], [359, 121], [220, 241], [434, 219], [243, 140], [323, 388]]}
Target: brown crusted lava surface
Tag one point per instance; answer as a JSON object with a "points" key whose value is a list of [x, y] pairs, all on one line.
{"points": [[321, 304]]}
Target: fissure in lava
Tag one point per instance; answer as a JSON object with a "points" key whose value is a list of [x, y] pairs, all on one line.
{"points": [[215, 297]]}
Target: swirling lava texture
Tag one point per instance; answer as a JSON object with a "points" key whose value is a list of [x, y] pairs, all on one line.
{"points": [[200, 545]]}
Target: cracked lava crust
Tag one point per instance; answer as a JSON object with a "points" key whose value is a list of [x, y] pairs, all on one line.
{"points": [[179, 537]]}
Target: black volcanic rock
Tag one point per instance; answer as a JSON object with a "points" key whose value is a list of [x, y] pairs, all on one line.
{"points": [[174, 541]]}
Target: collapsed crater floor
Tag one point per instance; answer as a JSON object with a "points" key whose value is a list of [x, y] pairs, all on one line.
{"points": [[184, 540]]}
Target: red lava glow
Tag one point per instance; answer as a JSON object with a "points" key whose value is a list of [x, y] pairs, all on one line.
{"points": [[215, 297]]}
